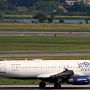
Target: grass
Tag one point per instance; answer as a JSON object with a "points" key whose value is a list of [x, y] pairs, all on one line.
{"points": [[71, 17], [7, 81], [18, 16], [45, 27], [48, 58], [44, 43]]}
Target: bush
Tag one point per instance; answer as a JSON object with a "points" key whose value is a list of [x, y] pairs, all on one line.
{"points": [[61, 21], [86, 21], [1, 16], [41, 16], [50, 19]]}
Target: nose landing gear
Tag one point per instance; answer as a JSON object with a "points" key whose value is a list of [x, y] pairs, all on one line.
{"points": [[42, 84]]}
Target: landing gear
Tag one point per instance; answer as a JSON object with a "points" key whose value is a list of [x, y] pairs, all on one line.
{"points": [[57, 85], [42, 84]]}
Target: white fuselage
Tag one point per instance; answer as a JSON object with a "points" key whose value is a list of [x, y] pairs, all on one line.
{"points": [[42, 68]]}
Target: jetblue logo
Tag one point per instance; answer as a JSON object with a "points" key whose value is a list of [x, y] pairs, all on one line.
{"points": [[84, 66]]}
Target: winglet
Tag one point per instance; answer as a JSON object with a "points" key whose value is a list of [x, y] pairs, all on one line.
{"points": [[66, 69]]}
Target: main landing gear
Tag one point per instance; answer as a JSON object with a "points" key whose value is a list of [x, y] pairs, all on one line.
{"points": [[57, 85], [42, 84]]}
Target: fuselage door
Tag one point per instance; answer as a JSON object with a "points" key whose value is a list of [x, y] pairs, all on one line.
{"points": [[2, 68]]}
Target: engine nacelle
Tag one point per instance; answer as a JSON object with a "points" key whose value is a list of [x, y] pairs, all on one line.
{"points": [[79, 80]]}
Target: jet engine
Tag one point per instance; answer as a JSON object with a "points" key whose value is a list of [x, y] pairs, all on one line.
{"points": [[79, 80]]}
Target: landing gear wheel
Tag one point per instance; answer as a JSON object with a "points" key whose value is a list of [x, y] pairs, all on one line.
{"points": [[42, 84], [57, 85]]}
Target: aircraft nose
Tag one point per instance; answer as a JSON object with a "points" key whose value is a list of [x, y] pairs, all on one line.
{"points": [[2, 68]]}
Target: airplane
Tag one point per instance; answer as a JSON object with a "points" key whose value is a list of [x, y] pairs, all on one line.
{"points": [[75, 72]]}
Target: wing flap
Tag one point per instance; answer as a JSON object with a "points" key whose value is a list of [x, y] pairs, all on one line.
{"points": [[46, 75]]}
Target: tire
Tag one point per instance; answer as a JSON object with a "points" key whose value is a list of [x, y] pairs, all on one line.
{"points": [[57, 85], [42, 84]]}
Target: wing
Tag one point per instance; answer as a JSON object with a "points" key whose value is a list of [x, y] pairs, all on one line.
{"points": [[46, 75], [63, 74], [61, 77]]}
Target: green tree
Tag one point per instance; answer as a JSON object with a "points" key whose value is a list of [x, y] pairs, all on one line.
{"points": [[3, 5], [77, 7], [25, 3], [1, 16], [86, 21], [42, 17], [61, 21], [49, 6], [50, 19], [11, 7]]}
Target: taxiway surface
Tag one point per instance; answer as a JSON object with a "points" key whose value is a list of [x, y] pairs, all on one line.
{"points": [[28, 54], [48, 87], [30, 33]]}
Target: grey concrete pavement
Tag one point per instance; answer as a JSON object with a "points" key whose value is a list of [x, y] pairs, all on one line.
{"points": [[48, 87], [30, 33], [28, 54]]}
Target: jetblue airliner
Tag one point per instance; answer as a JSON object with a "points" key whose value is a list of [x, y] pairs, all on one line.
{"points": [[76, 72]]}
